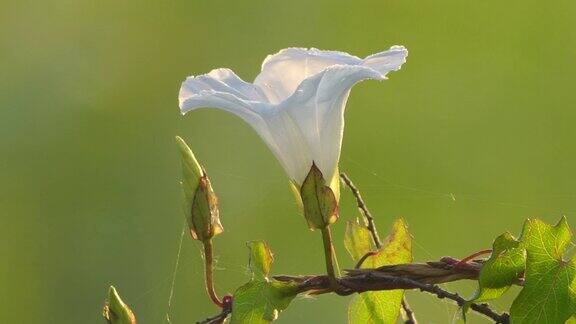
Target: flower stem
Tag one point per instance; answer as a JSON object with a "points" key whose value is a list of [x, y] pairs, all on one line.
{"points": [[330, 256], [209, 272]]}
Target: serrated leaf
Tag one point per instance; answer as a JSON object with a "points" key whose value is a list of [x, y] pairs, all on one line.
{"points": [[397, 248], [357, 240], [116, 311], [383, 306], [375, 307], [549, 293], [260, 259], [505, 266], [261, 299]]}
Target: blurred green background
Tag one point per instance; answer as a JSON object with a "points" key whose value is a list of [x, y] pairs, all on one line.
{"points": [[475, 134]]}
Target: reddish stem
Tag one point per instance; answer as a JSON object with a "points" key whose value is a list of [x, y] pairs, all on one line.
{"points": [[209, 273], [363, 258], [471, 257]]}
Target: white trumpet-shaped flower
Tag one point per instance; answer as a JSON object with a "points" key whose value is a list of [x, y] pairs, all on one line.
{"points": [[296, 103]]}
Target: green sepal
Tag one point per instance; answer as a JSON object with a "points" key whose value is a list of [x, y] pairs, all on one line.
{"points": [[116, 311], [319, 201], [295, 189], [191, 171], [204, 220]]}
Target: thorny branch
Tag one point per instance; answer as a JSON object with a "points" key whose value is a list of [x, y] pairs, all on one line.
{"points": [[364, 209], [422, 276], [217, 319], [384, 278], [371, 226], [408, 314]]}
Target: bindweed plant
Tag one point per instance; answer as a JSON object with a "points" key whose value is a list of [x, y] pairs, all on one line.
{"points": [[296, 104]]}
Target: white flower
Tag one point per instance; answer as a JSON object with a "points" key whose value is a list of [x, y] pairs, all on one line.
{"points": [[296, 103]]}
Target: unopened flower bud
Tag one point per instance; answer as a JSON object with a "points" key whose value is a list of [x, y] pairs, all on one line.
{"points": [[200, 201], [116, 311]]}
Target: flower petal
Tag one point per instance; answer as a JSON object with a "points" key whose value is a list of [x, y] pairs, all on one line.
{"points": [[281, 136], [390, 60], [283, 72], [220, 80], [296, 103], [288, 144], [222, 89], [317, 106]]}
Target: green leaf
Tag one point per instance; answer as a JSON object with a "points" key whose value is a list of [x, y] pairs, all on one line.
{"points": [[116, 311], [357, 240], [319, 202], [549, 293], [261, 299], [381, 306], [505, 266]]}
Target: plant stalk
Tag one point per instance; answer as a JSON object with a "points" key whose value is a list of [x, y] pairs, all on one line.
{"points": [[330, 256], [209, 272]]}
